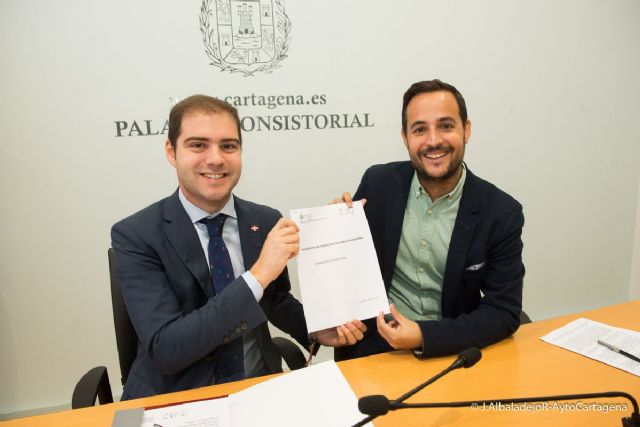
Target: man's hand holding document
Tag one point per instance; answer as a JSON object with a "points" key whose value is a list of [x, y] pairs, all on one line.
{"points": [[338, 269]]}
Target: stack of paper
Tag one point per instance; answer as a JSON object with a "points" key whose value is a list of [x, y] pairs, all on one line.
{"points": [[582, 335]]}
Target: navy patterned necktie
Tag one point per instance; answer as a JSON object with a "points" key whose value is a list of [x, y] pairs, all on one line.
{"points": [[219, 260], [229, 357]]}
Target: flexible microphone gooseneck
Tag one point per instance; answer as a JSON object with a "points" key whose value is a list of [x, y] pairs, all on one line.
{"points": [[466, 359], [376, 405]]}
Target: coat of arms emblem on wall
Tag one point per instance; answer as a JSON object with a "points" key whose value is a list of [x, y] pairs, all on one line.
{"points": [[245, 36]]}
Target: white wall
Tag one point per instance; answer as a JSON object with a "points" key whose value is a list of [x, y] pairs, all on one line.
{"points": [[552, 88], [634, 286]]}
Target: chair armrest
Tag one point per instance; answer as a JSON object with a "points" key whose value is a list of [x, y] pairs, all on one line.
{"points": [[291, 353], [95, 383]]}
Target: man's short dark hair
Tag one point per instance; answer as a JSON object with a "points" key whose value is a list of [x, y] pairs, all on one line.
{"points": [[198, 104], [432, 86]]}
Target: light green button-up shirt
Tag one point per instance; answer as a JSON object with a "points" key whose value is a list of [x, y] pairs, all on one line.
{"points": [[416, 285]]}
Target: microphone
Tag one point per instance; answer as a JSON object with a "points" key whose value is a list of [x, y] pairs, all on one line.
{"points": [[466, 359], [376, 405]]}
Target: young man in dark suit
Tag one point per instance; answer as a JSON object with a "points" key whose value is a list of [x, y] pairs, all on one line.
{"points": [[448, 243], [203, 270]]}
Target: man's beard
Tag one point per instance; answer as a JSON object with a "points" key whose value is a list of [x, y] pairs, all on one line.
{"points": [[454, 165]]}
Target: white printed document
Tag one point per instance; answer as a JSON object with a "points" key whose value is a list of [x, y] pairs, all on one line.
{"points": [[338, 268], [205, 413], [581, 336], [316, 396]]}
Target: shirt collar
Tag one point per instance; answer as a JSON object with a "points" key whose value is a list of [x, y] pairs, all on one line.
{"points": [[196, 214], [452, 196]]}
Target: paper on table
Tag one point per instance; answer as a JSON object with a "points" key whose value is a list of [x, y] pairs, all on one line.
{"points": [[205, 413], [338, 268], [315, 396], [582, 335]]}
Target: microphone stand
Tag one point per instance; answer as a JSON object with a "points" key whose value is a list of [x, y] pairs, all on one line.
{"points": [[632, 421], [458, 363]]}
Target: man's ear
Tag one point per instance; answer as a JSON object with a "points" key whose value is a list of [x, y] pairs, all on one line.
{"points": [[404, 138], [170, 152], [467, 131]]}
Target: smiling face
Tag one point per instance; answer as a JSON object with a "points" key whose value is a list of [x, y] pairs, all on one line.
{"points": [[435, 138], [207, 158]]}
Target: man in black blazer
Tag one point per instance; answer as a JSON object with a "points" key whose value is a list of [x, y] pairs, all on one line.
{"points": [[191, 335], [448, 243]]}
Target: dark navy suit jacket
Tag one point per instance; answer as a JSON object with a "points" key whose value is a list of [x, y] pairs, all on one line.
{"points": [[167, 289], [480, 305]]}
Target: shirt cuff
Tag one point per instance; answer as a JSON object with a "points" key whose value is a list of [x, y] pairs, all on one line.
{"points": [[254, 285], [419, 352]]}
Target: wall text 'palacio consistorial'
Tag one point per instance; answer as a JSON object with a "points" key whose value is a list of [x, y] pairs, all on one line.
{"points": [[261, 122]]}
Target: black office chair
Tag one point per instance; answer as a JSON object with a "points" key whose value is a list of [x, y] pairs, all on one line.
{"points": [[95, 383], [126, 337], [524, 318]]}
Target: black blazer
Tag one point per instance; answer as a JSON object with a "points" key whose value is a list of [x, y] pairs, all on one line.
{"points": [[486, 235], [167, 289]]}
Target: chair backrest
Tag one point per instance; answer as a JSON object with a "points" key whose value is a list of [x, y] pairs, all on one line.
{"points": [[95, 383], [524, 318], [126, 337]]}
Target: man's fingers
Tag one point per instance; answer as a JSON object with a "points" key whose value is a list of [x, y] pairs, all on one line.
{"points": [[354, 331], [285, 223], [360, 325], [341, 337], [352, 334], [346, 198], [383, 328], [396, 314], [290, 238], [344, 335], [393, 309], [294, 251], [286, 229]]}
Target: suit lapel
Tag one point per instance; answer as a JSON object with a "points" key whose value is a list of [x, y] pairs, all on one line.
{"points": [[250, 233], [183, 237], [461, 238], [396, 204]]}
